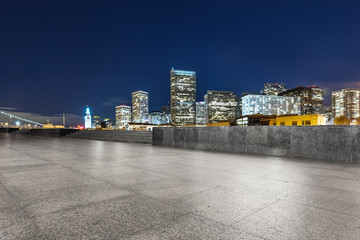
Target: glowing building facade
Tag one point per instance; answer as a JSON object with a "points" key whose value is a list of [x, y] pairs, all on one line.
{"points": [[312, 99], [220, 106], [140, 107], [183, 97], [87, 118], [273, 88], [200, 113], [270, 105], [122, 116], [346, 102], [159, 118]]}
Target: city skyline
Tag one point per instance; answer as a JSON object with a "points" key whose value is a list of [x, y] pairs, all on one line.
{"points": [[102, 55], [183, 87]]}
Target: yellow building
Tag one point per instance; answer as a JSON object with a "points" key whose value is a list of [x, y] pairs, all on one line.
{"points": [[298, 120], [50, 125], [218, 124]]}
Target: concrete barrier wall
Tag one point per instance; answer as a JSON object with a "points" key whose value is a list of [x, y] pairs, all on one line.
{"points": [[330, 143], [56, 132], [8, 130]]}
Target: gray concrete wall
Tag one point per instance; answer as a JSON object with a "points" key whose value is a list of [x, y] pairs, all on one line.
{"points": [[57, 132], [330, 143], [8, 130], [144, 137]]}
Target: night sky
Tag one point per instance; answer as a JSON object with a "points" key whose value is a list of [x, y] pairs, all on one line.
{"points": [[59, 56]]}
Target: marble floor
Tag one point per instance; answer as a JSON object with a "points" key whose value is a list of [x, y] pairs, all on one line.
{"points": [[58, 188]]}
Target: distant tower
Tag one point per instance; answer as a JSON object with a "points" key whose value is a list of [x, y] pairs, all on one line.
{"points": [[183, 97], [346, 102], [140, 107], [87, 118]]}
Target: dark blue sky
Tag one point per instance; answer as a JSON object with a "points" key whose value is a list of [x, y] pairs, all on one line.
{"points": [[58, 56]]}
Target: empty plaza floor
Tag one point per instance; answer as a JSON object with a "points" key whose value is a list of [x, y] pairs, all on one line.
{"points": [[63, 188]]}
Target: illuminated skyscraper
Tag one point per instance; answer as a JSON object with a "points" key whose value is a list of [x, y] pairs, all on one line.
{"points": [[273, 88], [312, 98], [200, 112], [183, 97], [87, 118], [270, 105], [220, 106], [122, 116], [346, 102], [140, 107], [159, 118]]}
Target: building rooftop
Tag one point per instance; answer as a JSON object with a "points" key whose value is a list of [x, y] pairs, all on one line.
{"points": [[137, 92], [183, 72], [297, 89], [217, 91]]}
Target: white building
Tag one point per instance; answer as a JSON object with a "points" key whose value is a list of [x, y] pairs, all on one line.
{"points": [[270, 105], [122, 116], [140, 107], [346, 102], [87, 118]]}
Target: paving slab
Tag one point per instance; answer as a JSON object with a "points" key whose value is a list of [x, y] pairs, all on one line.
{"points": [[191, 226], [110, 219], [65, 188], [288, 220]]}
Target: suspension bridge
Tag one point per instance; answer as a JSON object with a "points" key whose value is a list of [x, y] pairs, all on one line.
{"points": [[10, 120]]}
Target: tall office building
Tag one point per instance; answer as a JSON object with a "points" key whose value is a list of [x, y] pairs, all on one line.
{"points": [[87, 118], [183, 97], [200, 113], [270, 105], [122, 116], [273, 88], [140, 107], [220, 106], [312, 98], [346, 102]]}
